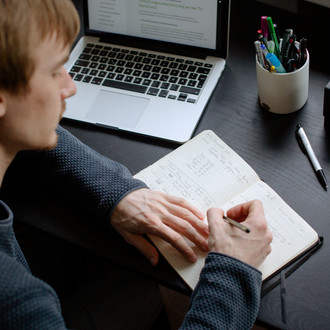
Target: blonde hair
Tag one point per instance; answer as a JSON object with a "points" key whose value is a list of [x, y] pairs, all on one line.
{"points": [[23, 25]]}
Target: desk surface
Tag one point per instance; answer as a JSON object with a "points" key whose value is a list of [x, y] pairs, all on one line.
{"points": [[266, 141]]}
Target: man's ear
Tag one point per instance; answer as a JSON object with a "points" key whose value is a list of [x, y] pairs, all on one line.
{"points": [[2, 103]]}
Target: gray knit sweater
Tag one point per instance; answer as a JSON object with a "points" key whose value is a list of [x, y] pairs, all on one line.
{"points": [[226, 297]]}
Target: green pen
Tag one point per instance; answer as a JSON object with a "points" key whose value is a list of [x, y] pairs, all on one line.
{"points": [[273, 36]]}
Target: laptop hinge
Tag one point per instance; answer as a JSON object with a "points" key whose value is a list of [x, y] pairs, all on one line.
{"points": [[168, 48]]}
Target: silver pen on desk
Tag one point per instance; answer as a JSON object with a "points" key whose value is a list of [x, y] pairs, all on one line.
{"points": [[307, 149]]}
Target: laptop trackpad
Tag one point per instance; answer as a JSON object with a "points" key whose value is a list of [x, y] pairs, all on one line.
{"points": [[116, 109]]}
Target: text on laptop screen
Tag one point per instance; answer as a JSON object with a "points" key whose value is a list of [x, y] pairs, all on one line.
{"points": [[187, 22]]}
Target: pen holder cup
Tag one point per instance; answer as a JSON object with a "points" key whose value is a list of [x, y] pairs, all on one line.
{"points": [[283, 93]]}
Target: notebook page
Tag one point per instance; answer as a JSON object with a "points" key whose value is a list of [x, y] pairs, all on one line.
{"points": [[207, 173], [291, 234], [204, 171]]}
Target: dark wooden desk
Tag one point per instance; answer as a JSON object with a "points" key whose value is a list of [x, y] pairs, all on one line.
{"points": [[266, 141]]}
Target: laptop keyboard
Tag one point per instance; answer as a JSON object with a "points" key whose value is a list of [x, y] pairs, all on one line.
{"points": [[141, 72]]}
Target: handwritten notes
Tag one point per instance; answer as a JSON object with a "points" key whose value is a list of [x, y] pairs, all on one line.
{"points": [[204, 171], [208, 173], [291, 234]]}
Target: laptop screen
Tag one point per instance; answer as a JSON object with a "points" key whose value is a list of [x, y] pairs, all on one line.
{"points": [[192, 23]]}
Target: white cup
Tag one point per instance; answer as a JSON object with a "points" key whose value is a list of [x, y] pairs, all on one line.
{"points": [[283, 92]]}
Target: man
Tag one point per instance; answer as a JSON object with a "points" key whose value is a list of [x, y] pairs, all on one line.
{"points": [[35, 40]]}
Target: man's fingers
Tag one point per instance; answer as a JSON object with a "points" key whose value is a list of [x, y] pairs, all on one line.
{"points": [[186, 229], [197, 223], [241, 211], [182, 203], [169, 235], [177, 241], [213, 216], [185, 212]]}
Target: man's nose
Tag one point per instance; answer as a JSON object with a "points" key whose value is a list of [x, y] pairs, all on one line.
{"points": [[69, 87]]}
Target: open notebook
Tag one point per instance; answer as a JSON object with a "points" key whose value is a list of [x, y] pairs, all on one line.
{"points": [[208, 173], [148, 67]]}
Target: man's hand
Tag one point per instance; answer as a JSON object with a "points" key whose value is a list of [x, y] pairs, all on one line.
{"points": [[252, 247], [145, 211]]}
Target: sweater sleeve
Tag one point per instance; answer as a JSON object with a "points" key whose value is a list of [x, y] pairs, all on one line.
{"points": [[75, 171], [227, 295], [26, 301]]}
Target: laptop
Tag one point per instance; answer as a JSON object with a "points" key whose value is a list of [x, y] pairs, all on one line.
{"points": [[148, 67]]}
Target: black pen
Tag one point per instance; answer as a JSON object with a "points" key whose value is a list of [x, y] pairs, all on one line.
{"points": [[286, 36], [307, 149], [289, 50], [302, 52], [236, 224]]}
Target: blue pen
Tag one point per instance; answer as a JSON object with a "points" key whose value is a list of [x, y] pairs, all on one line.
{"points": [[273, 60], [265, 52]]}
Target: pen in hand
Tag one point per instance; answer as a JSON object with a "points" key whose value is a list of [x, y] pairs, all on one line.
{"points": [[236, 224], [307, 149]]}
